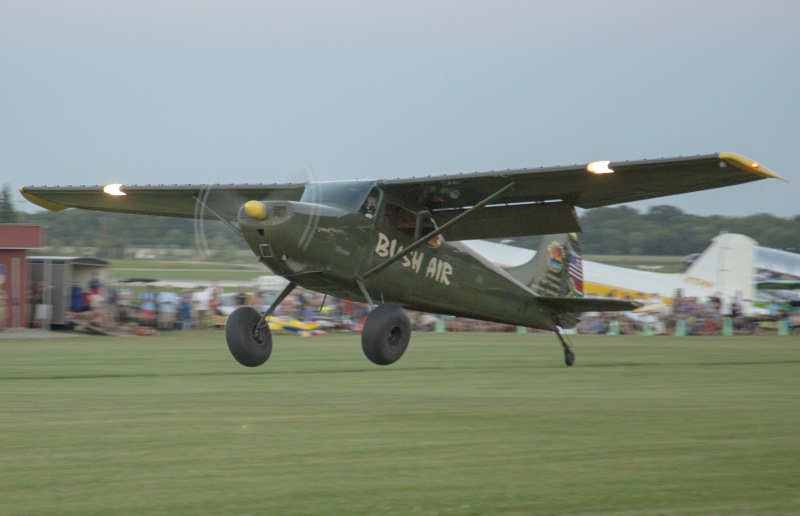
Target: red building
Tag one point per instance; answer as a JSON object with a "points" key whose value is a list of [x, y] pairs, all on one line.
{"points": [[15, 242]]}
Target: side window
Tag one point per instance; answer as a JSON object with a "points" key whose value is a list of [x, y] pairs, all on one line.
{"points": [[414, 225], [400, 219]]}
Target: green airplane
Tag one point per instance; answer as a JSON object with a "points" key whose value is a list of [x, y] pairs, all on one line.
{"points": [[394, 244]]}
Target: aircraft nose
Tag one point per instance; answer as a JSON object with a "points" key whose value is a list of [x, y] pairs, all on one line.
{"points": [[255, 210], [260, 214]]}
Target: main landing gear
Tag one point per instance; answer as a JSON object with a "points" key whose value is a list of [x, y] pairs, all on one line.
{"points": [[569, 355], [386, 333], [384, 338]]}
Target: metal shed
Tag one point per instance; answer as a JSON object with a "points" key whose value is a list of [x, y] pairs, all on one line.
{"points": [[63, 273]]}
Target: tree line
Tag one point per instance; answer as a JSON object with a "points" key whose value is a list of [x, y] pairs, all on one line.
{"points": [[620, 230], [667, 230]]}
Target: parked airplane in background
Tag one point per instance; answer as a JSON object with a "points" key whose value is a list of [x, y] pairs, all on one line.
{"points": [[778, 275], [383, 241], [726, 269]]}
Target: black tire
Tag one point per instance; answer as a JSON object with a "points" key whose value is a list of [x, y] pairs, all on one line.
{"points": [[386, 333], [569, 357], [250, 346]]}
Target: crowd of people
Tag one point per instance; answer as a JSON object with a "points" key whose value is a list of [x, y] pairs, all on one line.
{"points": [[203, 307], [693, 316], [164, 308]]}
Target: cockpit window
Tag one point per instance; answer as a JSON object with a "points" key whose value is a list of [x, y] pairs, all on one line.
{"points": [[414, 225], [355, 196], [370, 205]]}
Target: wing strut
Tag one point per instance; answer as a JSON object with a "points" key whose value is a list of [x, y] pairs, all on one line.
{"points": [[436, 232], [366, 293]]}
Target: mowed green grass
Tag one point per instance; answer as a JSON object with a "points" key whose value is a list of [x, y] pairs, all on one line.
{"points": [[463, 424]]}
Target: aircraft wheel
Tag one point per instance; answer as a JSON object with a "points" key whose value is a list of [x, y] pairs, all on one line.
{"points": [[569, 357], [386, 334], [249, 345]]}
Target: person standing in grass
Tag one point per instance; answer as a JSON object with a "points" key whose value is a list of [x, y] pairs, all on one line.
{"points": [[43, 309], [185, 306], [147, 307], [201, 299], [167, 302]]}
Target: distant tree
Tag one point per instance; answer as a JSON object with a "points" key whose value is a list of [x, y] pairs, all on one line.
{"points": [[7, 213], [663, 214], [663, 230]]}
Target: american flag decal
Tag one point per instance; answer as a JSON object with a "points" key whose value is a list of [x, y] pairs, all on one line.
{"points": [[575, 273]]}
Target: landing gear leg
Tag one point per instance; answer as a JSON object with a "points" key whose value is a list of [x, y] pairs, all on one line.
{"points": [[569, 355], [248, 335]]}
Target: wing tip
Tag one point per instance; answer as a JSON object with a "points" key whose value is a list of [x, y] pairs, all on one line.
{"points": [[750, 165], [42, 203]]}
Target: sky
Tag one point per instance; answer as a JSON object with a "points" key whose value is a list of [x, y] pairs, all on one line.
{"points": [[246, 91]]}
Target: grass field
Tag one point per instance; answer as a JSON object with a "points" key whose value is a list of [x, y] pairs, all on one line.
{"points": [[463, 424]]}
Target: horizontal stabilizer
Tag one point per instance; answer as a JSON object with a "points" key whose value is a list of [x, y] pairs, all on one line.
{"points": [[566, 304]]}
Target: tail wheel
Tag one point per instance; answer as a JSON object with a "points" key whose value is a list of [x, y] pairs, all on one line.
{"points": [[569, 355], [250, 344], [386, 334]]}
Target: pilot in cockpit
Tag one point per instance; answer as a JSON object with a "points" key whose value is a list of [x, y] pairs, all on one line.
{"points": [[370, 204]]}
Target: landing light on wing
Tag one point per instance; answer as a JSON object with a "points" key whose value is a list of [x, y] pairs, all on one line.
{"points": [[114, 189], [754, 164], [599, 167]]}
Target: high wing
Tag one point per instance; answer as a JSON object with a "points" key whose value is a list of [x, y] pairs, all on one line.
{"points": [[206, 201], [539, 201]]}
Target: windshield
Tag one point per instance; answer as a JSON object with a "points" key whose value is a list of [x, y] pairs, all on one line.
{"points": [[350, 195]]}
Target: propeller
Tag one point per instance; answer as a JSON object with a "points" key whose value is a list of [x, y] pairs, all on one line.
{"points": [[222, 202]]}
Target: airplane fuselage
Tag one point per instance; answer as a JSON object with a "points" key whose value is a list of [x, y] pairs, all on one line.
{"points": [[327, 249]]}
